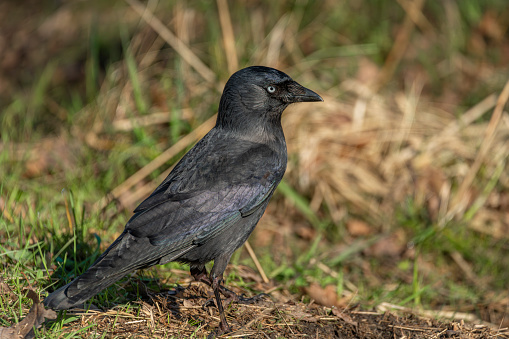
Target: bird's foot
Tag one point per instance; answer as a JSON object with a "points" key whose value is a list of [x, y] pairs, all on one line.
{"points": [[232, 297], [253, 300], [224, 327], [201, 276], [209, 303]]}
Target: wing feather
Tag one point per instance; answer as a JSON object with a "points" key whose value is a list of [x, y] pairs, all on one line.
{"points": [[196, 202]]}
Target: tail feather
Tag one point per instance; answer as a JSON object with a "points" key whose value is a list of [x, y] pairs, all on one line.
{"points": [[77, 292], [125, 255], [107, 269]]}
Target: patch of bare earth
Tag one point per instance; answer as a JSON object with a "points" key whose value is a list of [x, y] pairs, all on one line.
{"points": [[190, 311]]}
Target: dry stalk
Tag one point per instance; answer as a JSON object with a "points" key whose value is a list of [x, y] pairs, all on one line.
{"points": [[173, 41], [228, 36]]}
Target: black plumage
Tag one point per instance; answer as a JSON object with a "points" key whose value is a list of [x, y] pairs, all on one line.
{"points": [[212, 200]]}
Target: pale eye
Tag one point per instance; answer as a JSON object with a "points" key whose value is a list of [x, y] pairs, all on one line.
{"points": [[271, 89]]}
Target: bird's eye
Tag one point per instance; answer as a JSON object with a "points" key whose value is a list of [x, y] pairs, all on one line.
{"points": [[271, 89]]}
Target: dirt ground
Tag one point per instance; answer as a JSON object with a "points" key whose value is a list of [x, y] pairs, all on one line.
{"points": [[188, 311]]}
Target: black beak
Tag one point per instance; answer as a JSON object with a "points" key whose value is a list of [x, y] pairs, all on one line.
{"points": [[298, 93]]}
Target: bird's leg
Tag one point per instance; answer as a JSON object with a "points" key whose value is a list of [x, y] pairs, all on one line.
{"points": [[199, 273], [223, 324]]}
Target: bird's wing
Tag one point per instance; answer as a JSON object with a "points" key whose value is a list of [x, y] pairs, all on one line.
{"points": [[210, 189], [213, 186]]}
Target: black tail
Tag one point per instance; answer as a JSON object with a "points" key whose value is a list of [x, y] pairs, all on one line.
{"points": [[78, 291], [126, 254], [108, 268]]}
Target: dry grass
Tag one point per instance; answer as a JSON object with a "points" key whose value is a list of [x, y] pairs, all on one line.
{"points": [[402, 147], [185, 312]]}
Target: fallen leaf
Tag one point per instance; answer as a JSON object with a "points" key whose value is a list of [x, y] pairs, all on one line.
{"points": [[325, 296], [490, 26], [358, 228], [306, 233], [6, 290], [8, 333], [247, 273], [343, 316], [304, 316], [188, 303], [35, 317], [387, 247]]}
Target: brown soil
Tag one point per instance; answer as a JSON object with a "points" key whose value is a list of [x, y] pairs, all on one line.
{"points": [[188, 311]]}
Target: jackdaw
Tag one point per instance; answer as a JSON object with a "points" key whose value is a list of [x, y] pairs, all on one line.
{"points": [[212, 200]]}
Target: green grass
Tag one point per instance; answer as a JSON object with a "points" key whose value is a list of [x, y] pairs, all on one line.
{"points": [[51, 232]]}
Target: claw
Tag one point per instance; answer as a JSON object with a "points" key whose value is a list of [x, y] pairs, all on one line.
{"points": [[253, 299], [209, 302], [232, 297], [224, 327], [200, 274]]}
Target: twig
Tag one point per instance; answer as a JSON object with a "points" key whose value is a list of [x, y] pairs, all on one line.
{"points": [[277, 37], [471, 115], [460, 201], [256, 262], [408, 328], [177, 44], [465, 267], [418, 18], [384, 307], [145, 120], [399, 47], [228, 36], [284, 319]]}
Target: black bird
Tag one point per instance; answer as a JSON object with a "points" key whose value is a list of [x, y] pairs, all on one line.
{"points": [[212, 200]]}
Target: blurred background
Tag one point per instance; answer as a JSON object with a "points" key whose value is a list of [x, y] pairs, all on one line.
{"points": [[397, 185]]}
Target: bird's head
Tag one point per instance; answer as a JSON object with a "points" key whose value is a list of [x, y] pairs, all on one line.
{"points": [[257, 96]]}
